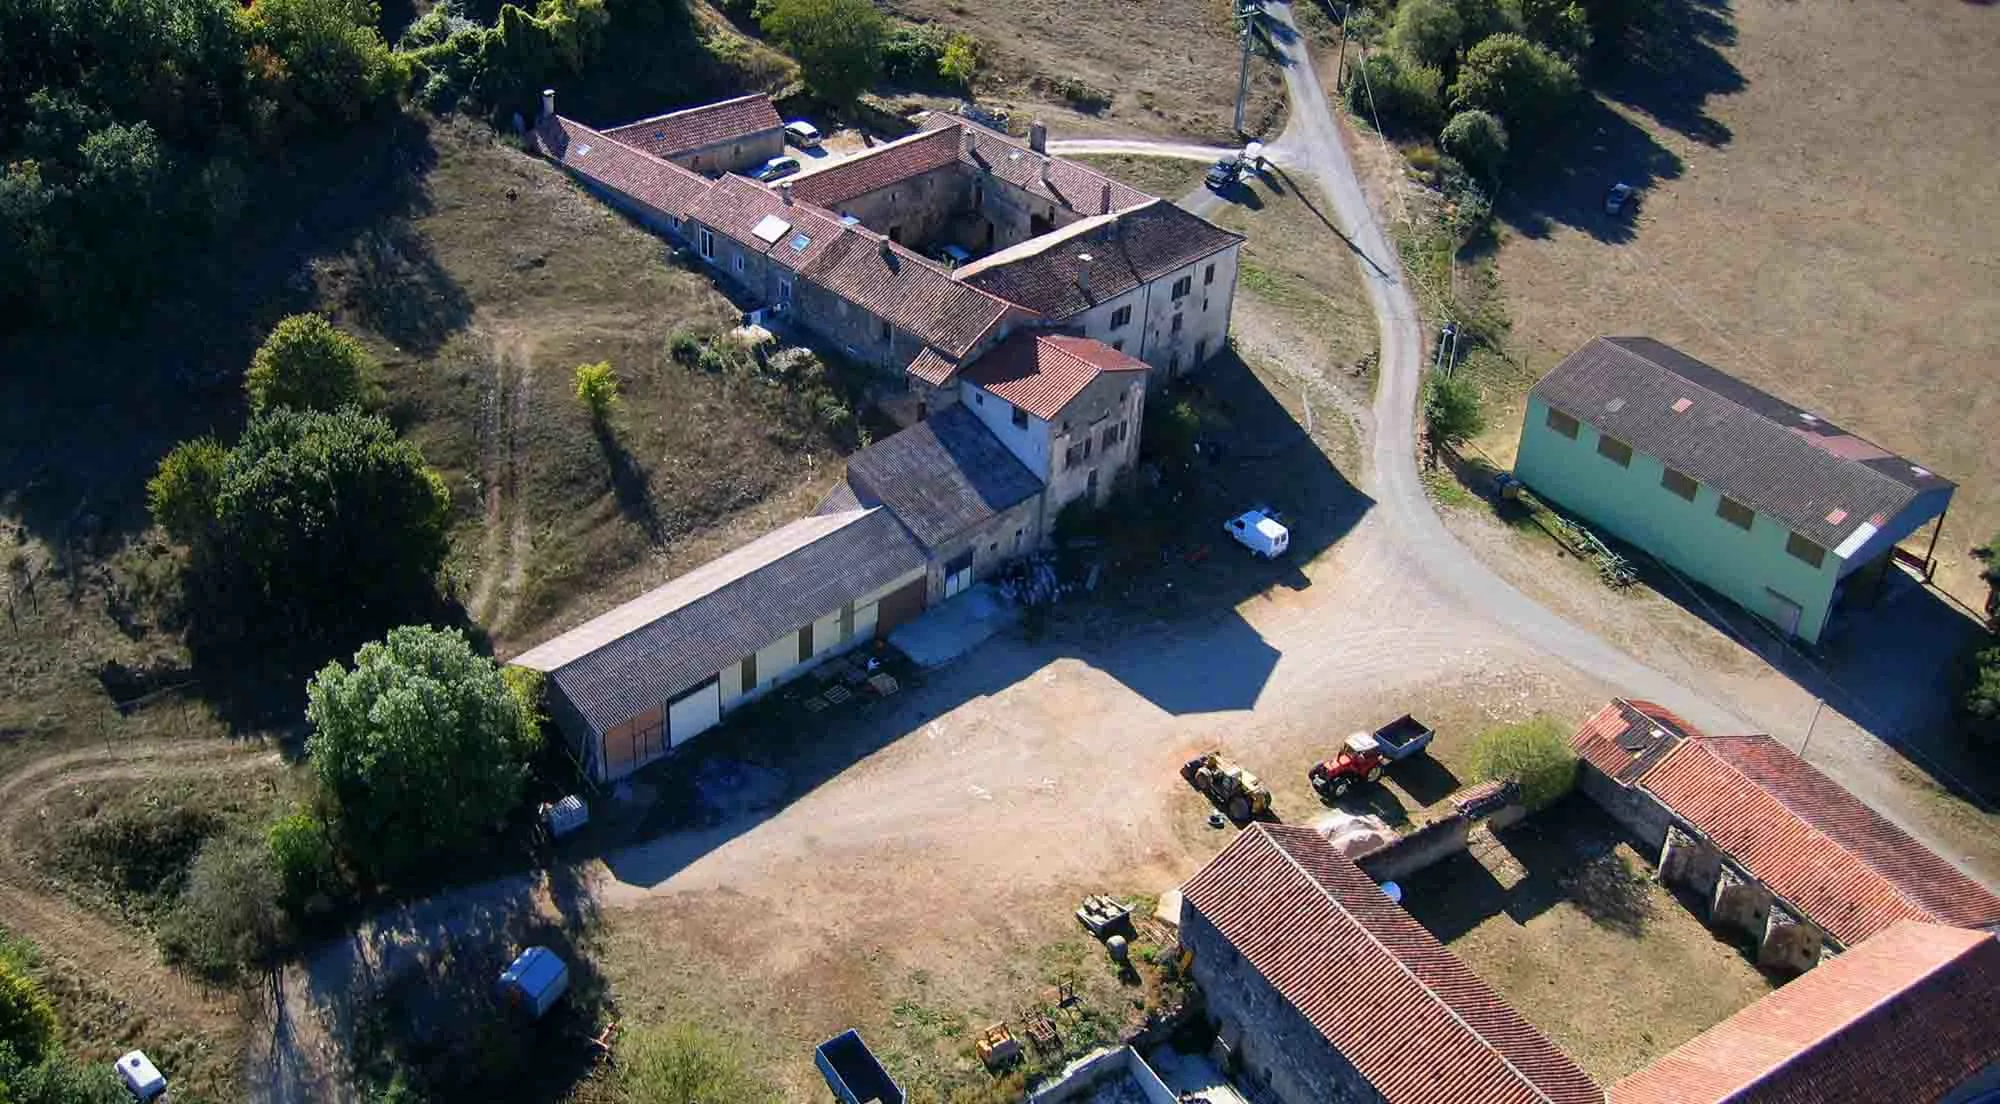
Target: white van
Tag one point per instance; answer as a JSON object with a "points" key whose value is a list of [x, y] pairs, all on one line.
{"points": [[1260, 532], [802, 134]]}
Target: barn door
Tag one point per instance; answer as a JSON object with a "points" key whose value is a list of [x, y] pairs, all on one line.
{"points": [[958, 574]]}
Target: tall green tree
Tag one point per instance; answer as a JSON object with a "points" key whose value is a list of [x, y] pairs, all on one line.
{"points": [[838, 42], [182, 494], [419, 748], [1478, 141], [1452, 411], [307, 364], [1427, 32], [323, 61], [1528, 87], [1561, 25], [27, 1023]]}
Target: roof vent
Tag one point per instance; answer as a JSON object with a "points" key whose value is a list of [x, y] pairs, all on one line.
{"points": [[801, 243], [1681, 405], [583, 149], [1836, 516], [1615, 405]]}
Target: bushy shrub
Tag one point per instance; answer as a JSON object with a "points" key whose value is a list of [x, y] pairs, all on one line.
{"points": [[1084, 97], [960, 60], [331, 65], [687, 1065], [1979, 698], [1427, 32], [1528, 87], [141, 850], [228, 916], [597, 389], [1561, 25], [302, 855], [1405, 97], [685, 346], [27, 1022], [1452, 412], [181, 496], [1477, 140], [58, 1079], [308, 364], [1535, 753], [911, 52], [838, 43]]}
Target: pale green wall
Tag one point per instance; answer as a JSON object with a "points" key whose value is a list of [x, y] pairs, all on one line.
{"points": [[1631, 504]]}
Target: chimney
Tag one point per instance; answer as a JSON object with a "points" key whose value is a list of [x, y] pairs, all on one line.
{"points": [[785, 191], [1104, 203], [1083, 273], [1038, 136], [965, 139], [548, 103], [1047, 164]]}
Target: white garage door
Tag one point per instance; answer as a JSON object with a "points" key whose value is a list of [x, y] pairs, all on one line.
{"points": [[694, 713]]}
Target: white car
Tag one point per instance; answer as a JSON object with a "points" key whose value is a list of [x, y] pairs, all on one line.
{"points": [[802, 134], [1261, 532]]}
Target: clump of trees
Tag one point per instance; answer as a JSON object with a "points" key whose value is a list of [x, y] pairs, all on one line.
{"points": [[131, 130], [839, 43], [33, 1067], [1535, 753]]}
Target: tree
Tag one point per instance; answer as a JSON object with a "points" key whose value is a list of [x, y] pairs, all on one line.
{"points": [[1427, 32], [1525, 85], [1535, 753], [960, 60], [1561, 25], [419, 748], [227, 917], [1477, 140], [302, 855], [597, 389], [58, 1079], [27, 1023], [324, 519], [1452, 413], [1990, 554], [1401, 94], [325, 61], [307, 364], [182, 494], [838, 42], [1979, 698]]}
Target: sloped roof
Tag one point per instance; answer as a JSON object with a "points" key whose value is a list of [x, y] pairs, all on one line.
{"points": [[913, 293], [1403, 1010], [1626, 737], [696, 128], [880, 167], [1061, 274], [1816, 845], [1071, 183], [932, 367], [737, 207], [661, 185], [942, 476], [1818, 479], [1042, 372], [637, 656], [1906, 1016]]}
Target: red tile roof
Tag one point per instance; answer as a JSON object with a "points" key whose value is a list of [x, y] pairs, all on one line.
{"points": [[736, 206], [907, 290], [1813, 843], [658, 184], [1072, 184], [1041, 373], [877, 168], [1062, 274], [1906, 1016], [1625, 738], [700, 127], [1407, 1014]]}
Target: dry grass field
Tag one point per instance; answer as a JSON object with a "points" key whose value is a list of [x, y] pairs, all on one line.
{"points": [[1816, 219], [1156, 66]]}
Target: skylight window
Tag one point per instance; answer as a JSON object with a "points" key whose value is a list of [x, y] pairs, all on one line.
{"points": [[800, 243], [770, 228]]}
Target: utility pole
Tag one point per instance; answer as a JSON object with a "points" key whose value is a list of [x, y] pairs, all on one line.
{"points": [[1340, 66], [1818, 704], [1247, 12]]}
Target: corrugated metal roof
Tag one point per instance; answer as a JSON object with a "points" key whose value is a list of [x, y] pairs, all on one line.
{"points": [[1816, 845], [1626, 737], [1404, 1011], [637, 656], [1817, 479], [696, 128], [1041, 373], [1908, 1015], [942, 476]]}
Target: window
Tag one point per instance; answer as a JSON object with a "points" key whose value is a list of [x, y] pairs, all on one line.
{"points": [[1182, 286], [885, 331], [1119, 344], [1020, 417], [1110, 435], [1562, 423], [784, 291], [1614, 450], [707, 243], [993, 549], [978, 196], [1201, 350], [749, 679], [1208, 276], [1017, 540], [1091, 488], [979, 398], [1174, 364], [806, 642], [1735, 513], [1071, 456], [1177, 323], [738, 260], [1121, 317], [1805, 550], [846, 620], [1679, 484], [1086, 448]]}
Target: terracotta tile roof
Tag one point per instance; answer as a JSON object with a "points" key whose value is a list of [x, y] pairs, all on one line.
{"points": [[1816, 845], [737, 206], [1051, 276], [1625, 738], [1407, 1014], [665, 187], [877, 168], [1906, 1016], [932, 367], [700, 127], [942, 476], [1042, 372], [1071, 184], [1816, 478], [909, 291]]}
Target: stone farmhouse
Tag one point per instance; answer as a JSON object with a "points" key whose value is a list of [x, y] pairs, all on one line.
{"points": [[1778, 509], [1029, 368], [1777, 850]]}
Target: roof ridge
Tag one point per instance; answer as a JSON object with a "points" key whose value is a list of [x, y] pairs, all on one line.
{"points": [[1402, 966], [689, 110], [1881, 1001]]}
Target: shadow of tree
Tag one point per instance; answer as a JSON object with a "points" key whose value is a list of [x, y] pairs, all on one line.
{"points": [[1566, 183], [392, 281], [630, 483], [1671, 66], [1607, 889]]}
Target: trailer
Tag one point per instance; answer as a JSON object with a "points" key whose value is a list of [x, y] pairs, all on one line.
{"points": [[1403, 737], [1365, 755], [853, 1073], [535, 982]]}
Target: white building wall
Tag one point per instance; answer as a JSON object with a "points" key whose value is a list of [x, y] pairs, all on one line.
{"points": [[1029, 443], [1204, 313]]}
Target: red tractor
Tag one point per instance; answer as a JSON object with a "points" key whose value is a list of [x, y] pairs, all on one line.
{"points": [[1360, 760]]}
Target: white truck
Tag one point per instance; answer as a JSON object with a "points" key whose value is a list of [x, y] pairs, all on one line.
{"points": [[1261, 532]]}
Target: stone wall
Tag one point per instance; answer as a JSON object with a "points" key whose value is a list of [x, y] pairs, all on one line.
{"points": [[1279, 1048], [1687, 860], [1113, 399], [1640, 812], [736, 155], [1413, 851], [913, 212], [1740, 903], [1790, 943], [992, 544], [1090, 1077]]}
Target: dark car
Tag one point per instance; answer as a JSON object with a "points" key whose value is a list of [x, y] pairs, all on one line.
{"points": [[1224, 173], [1620, 199]]}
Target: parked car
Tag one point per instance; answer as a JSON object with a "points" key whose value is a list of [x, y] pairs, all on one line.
{"points": [[1365, 755], [1261, 532], [1619, 199], [951, 256], [777, 168], [802, 134], [1224, 173]]}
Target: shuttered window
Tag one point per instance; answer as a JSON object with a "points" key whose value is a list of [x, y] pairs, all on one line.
{"points": [[1805, 550], [1735, 513]]}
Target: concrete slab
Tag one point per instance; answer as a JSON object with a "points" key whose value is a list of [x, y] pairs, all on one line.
{"points": [[955, 627], [1192, 1077]]}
